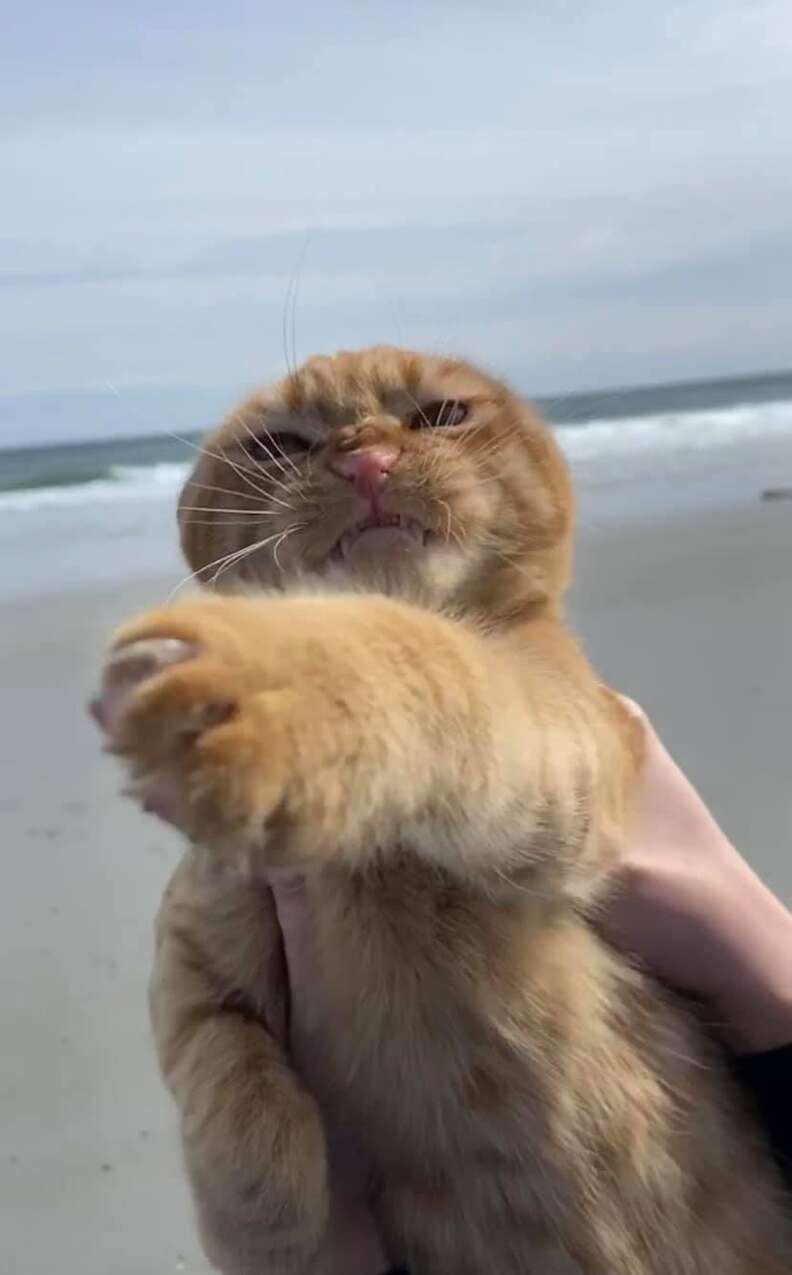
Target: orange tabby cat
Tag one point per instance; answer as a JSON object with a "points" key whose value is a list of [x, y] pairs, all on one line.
{"points": [[387, 698]]}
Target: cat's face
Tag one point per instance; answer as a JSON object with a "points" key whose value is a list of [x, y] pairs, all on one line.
{"points": [[386, 469]]}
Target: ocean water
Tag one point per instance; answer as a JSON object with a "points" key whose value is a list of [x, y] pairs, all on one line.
{"points": [[95, 511]]}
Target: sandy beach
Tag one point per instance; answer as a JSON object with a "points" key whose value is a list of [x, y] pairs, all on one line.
{"points": [[693, 617]]}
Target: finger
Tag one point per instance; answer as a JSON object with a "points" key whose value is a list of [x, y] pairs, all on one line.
{"points": [[633, 709]]}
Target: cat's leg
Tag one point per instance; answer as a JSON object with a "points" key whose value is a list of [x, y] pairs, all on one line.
{"points": [[294, 729], [253, 1139]]}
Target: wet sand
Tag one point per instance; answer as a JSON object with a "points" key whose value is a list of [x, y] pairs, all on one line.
{"points": [[693, 618]]}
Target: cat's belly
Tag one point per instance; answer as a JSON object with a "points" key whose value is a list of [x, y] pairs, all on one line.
{"points": [[445, 1108], [472, 1231], [457, 1189], [457, 1192]]}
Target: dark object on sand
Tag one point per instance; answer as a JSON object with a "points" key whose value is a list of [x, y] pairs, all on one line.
{"points": [[777, 493]]}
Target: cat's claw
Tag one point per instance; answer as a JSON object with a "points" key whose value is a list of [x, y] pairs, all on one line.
{"points": [[187, 701], [124, 670]]}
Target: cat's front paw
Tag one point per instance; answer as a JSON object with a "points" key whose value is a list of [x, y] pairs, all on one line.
{"points": [[219, 727]]}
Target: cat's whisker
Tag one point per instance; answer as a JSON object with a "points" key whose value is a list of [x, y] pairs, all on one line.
{"points": [[240, 418], [261, 492], [223, 491], [228, 559], [491, 455], [274, 455], [241, 471], [517, 565], [247, 475], [194, 575], [224, 522], [498, 443], [284, 536], [544, 896], [474, 430], [256, 468], [290, 310], [278, 482], [283, 504], [435, 465], [419, 409], [295, 295], [449, 516], [291, 371], [233, 558], [278, 500], [204, 451], [216, 509]]}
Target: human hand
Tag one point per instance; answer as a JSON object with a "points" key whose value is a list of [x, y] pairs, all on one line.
{"points": [[692, 910], [352, 1246]]}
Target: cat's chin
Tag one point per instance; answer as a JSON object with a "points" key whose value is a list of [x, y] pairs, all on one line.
{"points": [[385, 545], [389, 537], [429, 574], [395, 572]]}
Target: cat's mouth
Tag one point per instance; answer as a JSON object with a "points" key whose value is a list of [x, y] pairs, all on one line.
{"points": [[380, 535]]}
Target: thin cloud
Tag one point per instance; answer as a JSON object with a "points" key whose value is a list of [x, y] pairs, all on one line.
{"points": [[580, 196]]}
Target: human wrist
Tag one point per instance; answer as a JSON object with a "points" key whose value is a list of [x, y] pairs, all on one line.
{"points": [[762, 1026], [755, 1002]]}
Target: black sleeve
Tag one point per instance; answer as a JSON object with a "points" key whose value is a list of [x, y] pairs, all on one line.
{"points": [[768, 1080]]}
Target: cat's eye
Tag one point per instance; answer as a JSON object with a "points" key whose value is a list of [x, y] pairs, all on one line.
{"points": [[268, 445], [442, 413]]}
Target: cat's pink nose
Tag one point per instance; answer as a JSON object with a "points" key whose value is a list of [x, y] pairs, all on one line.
{"points": [[368, 467]]}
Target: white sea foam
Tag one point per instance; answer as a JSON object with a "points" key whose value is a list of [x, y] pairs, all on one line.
{"points": [[124, 484], [676, 431]]}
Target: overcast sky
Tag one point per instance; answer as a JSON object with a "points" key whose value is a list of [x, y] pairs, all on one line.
{"points": [[577, 193]]}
